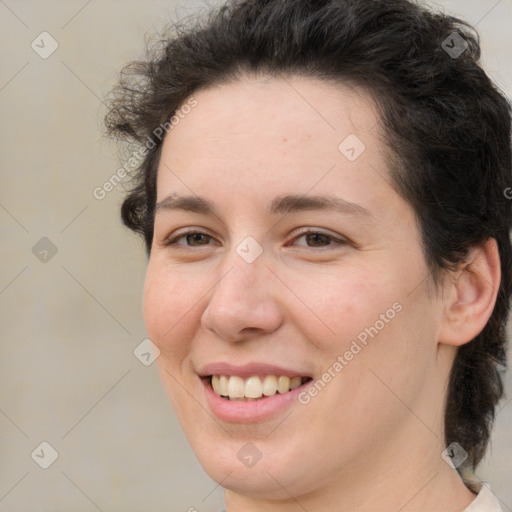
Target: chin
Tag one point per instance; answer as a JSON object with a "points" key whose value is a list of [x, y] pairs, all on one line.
{"points": [[273, 476]]}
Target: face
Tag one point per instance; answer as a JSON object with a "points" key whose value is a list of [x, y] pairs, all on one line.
{"points": [[282, 256]]}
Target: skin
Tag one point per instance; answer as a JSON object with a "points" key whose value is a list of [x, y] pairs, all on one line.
{"points": [[372, 438]]}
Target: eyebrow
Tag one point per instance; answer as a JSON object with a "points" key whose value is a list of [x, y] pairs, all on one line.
{"points": [[194, 204], [293, 203], [280, 205]]}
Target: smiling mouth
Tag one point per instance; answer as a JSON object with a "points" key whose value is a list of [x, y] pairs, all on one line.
{"points": [[235, 388]]}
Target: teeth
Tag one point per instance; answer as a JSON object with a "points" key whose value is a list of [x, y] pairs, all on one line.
{"points": [[236, 388], [269, 385], [283, 384], [216, 384], [223, 385], [253, 387], [295, 382]]}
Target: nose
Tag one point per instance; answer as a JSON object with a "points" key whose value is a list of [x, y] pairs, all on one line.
{"points": [[243, 303]]}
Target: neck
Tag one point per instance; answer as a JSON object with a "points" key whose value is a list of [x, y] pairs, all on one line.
{"points": [[408, 478]]}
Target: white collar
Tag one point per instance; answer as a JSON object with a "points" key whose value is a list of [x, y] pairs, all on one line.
{"points": [[485, 501]]}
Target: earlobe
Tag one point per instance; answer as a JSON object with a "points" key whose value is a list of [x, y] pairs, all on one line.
{"points": [[472, 295]]}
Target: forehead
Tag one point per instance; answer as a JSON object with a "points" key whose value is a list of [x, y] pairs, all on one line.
{"points": [[274, 131]]}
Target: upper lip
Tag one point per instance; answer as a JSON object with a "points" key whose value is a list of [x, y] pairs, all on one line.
{"points": [[248, 370]]}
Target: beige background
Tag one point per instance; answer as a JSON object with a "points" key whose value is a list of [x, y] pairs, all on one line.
{"points": [[70, 325]]}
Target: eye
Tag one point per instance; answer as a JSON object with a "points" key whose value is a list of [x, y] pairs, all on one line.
{"points": [[190, 239], [312, 238], [309, 238]]}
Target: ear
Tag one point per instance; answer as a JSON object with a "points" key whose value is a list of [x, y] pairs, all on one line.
{"points": [[470, 295]]}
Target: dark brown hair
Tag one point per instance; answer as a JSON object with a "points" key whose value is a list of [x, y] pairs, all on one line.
{"points": [[446, 125]]}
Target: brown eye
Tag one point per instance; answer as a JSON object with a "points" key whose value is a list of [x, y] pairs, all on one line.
{"points": [[195, 239], [318, 239], [189, 239]]}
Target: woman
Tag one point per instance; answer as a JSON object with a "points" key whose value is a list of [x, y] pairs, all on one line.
{"points": [[323, 203]]}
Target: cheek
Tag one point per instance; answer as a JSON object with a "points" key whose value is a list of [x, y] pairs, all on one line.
{"points": [[334, 308], [368, 319], [170, 306]]}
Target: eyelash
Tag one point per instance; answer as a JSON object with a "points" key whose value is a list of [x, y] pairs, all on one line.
{"points": [[174, 240]]}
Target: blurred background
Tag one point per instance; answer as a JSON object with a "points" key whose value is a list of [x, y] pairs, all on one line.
{"points": [[71, 276]]}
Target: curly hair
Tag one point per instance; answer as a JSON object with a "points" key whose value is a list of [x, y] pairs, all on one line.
{"points": [[445, 124]]}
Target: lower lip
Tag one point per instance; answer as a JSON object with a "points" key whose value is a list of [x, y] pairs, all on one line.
{"points": [[234, 411]]}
